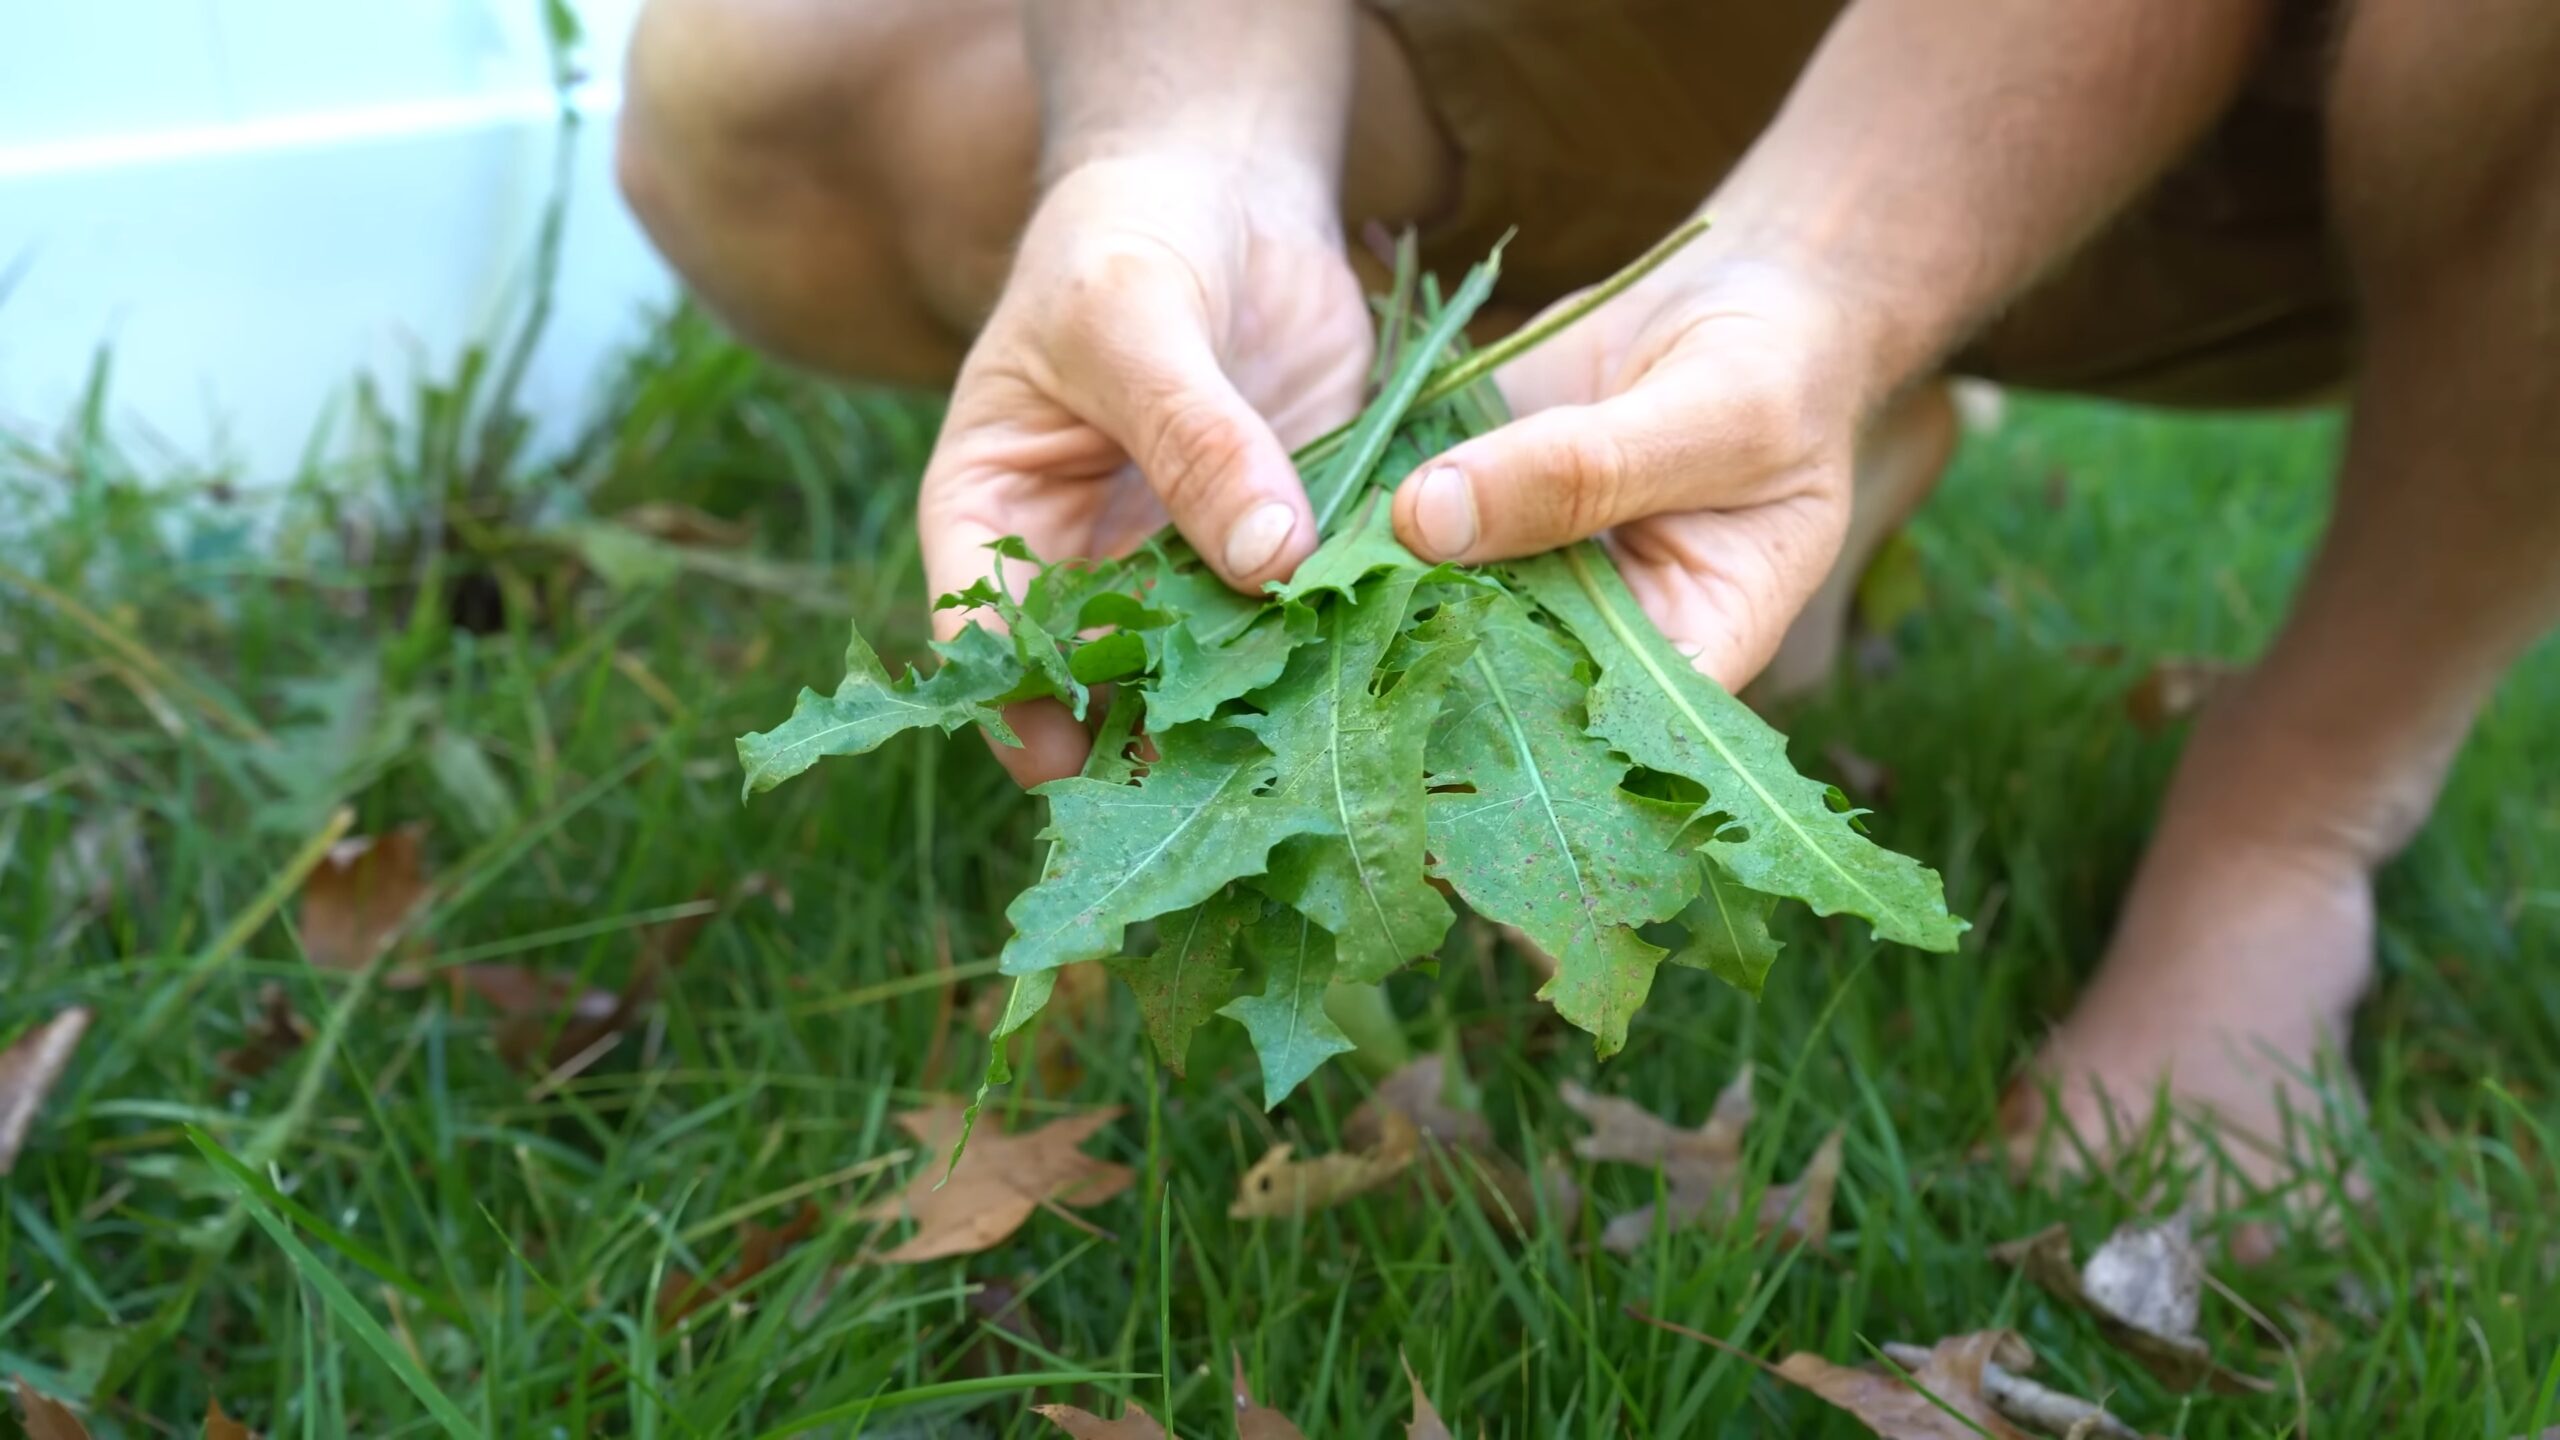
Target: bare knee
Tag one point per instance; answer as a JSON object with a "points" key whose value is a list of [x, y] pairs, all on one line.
{"points": [[805, 166]]}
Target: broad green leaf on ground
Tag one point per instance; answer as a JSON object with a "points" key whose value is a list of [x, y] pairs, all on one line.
{"points": [[1190, 972], [868, 707], [1194, 677], [996, 1185], [1784, 836], [1291, 1031], [1201, 817], [1528, 821], [1357, 756], [1361, 549], [1728, 927], [29, 1069]]}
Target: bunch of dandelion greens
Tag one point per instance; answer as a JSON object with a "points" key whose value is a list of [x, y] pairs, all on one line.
{"points": [[1518, 733]]}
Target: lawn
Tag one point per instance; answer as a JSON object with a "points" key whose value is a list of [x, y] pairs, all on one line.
{"points": [[433, 641]]}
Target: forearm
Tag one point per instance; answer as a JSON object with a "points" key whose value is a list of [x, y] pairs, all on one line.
{"points": [[1938, 155], [1251, 78]]}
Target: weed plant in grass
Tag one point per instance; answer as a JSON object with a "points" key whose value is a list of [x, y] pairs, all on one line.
{"points": [[185, 711]]}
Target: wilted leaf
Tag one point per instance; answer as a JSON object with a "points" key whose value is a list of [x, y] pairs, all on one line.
{"points": [[278, 1031], [759, 1248], [1426, 1423], [1259, 1422], [29, 1069], [999, 1181], [2143, 1287], [1280, 1187], [545, 1021], [1896, 1410], [1133, 1424], [2035, 1406], [360, 895], [2176, 687], [47, 1418], [1700, 1168], [678, 524], [218, 1426]]}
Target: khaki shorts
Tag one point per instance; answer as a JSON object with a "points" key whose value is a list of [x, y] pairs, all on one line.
{"points": [[1594, 126]]}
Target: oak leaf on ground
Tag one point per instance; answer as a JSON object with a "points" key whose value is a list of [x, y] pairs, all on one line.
{"points": [[1701, 1168], [359, 899], [998, 1183], [1948, 1385], [2144, 1288]]}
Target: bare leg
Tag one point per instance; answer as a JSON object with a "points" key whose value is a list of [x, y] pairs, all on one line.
{"points": [[842, 180], [2248, 935]]}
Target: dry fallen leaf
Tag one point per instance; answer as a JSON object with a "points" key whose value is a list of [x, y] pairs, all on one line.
{"points": [[105, 857], [2036, 1406], [1700, 1168], [357, 899], [759, 1249], [29, 1069], [1000, 1180], [218, 1426], [1133, 1424], [2144, 1289], [1259, 1422], [1426, 1423], [2174, 688], [1281, 1187], [1951, 1376], [545, 1021], [47, 1418], [679, 524], [278, 1031]]}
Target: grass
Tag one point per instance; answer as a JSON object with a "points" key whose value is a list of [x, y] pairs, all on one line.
{"points": [[196, 682]]}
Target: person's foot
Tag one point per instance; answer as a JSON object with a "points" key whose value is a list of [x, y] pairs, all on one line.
{"points": [[1898, 466], [2227, 990]]}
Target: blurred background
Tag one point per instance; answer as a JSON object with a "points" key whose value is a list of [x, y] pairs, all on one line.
{"points": [[242, 204]]}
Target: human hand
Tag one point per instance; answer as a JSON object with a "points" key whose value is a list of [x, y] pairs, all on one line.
{"points": [[1171, 326], [1704, 424]]}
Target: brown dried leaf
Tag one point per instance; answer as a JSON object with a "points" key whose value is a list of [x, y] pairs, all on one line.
{"points": [[545, 1021], [29, 1069], [1000, 1180], [1419, 1091], [360, 895], [278, 1031], [2035, 1406], [2143, 1288], [1280, 1187], [46, 1417], [759, 1249], [1133, 1424], [1800, 1212], [1700, 1167], [679, 524], [218, 1426], [1899, 1410], [1426, 1423], [2174, 688], [1259, 1422]]}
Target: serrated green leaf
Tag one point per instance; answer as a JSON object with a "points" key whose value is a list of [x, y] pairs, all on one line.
{"points": [[1654, 706], [1194, 678], [1541, 836], [868, 707], [1728, 928], [1290, 1030], [1200, 817], [1357, 756], [1363, 548], [1188, 975]]}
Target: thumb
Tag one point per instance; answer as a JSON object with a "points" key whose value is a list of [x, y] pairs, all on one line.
{"points": [[1558, 476], [1152, 382]]}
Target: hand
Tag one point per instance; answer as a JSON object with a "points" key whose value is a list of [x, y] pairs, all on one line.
{"points": [[1704, 424], [1171, 326]]}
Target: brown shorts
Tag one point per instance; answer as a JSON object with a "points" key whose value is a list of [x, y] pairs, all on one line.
{"points": [[1593, 126]]}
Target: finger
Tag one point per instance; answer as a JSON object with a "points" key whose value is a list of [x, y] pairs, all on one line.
{"points": [[1149, 379], [1724, 586], [1054, 743]]}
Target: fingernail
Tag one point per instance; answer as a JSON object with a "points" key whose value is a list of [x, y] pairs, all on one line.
{"points": [[1688, 648], [1257, 538], [1445, 513]]}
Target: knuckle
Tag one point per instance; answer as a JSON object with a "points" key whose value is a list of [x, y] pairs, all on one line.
{"points": [[1187, 450], [1591, 478]]}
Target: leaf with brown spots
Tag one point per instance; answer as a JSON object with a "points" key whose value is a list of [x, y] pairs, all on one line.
{"points": [[760, 1248], [998, 1182], [47, 1418], [1255, 1421], [2176, 687], [1942, 1400], [29, 1069], [360, 897], [278, 1031], [1133, 1424], [2144, 1288]]}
